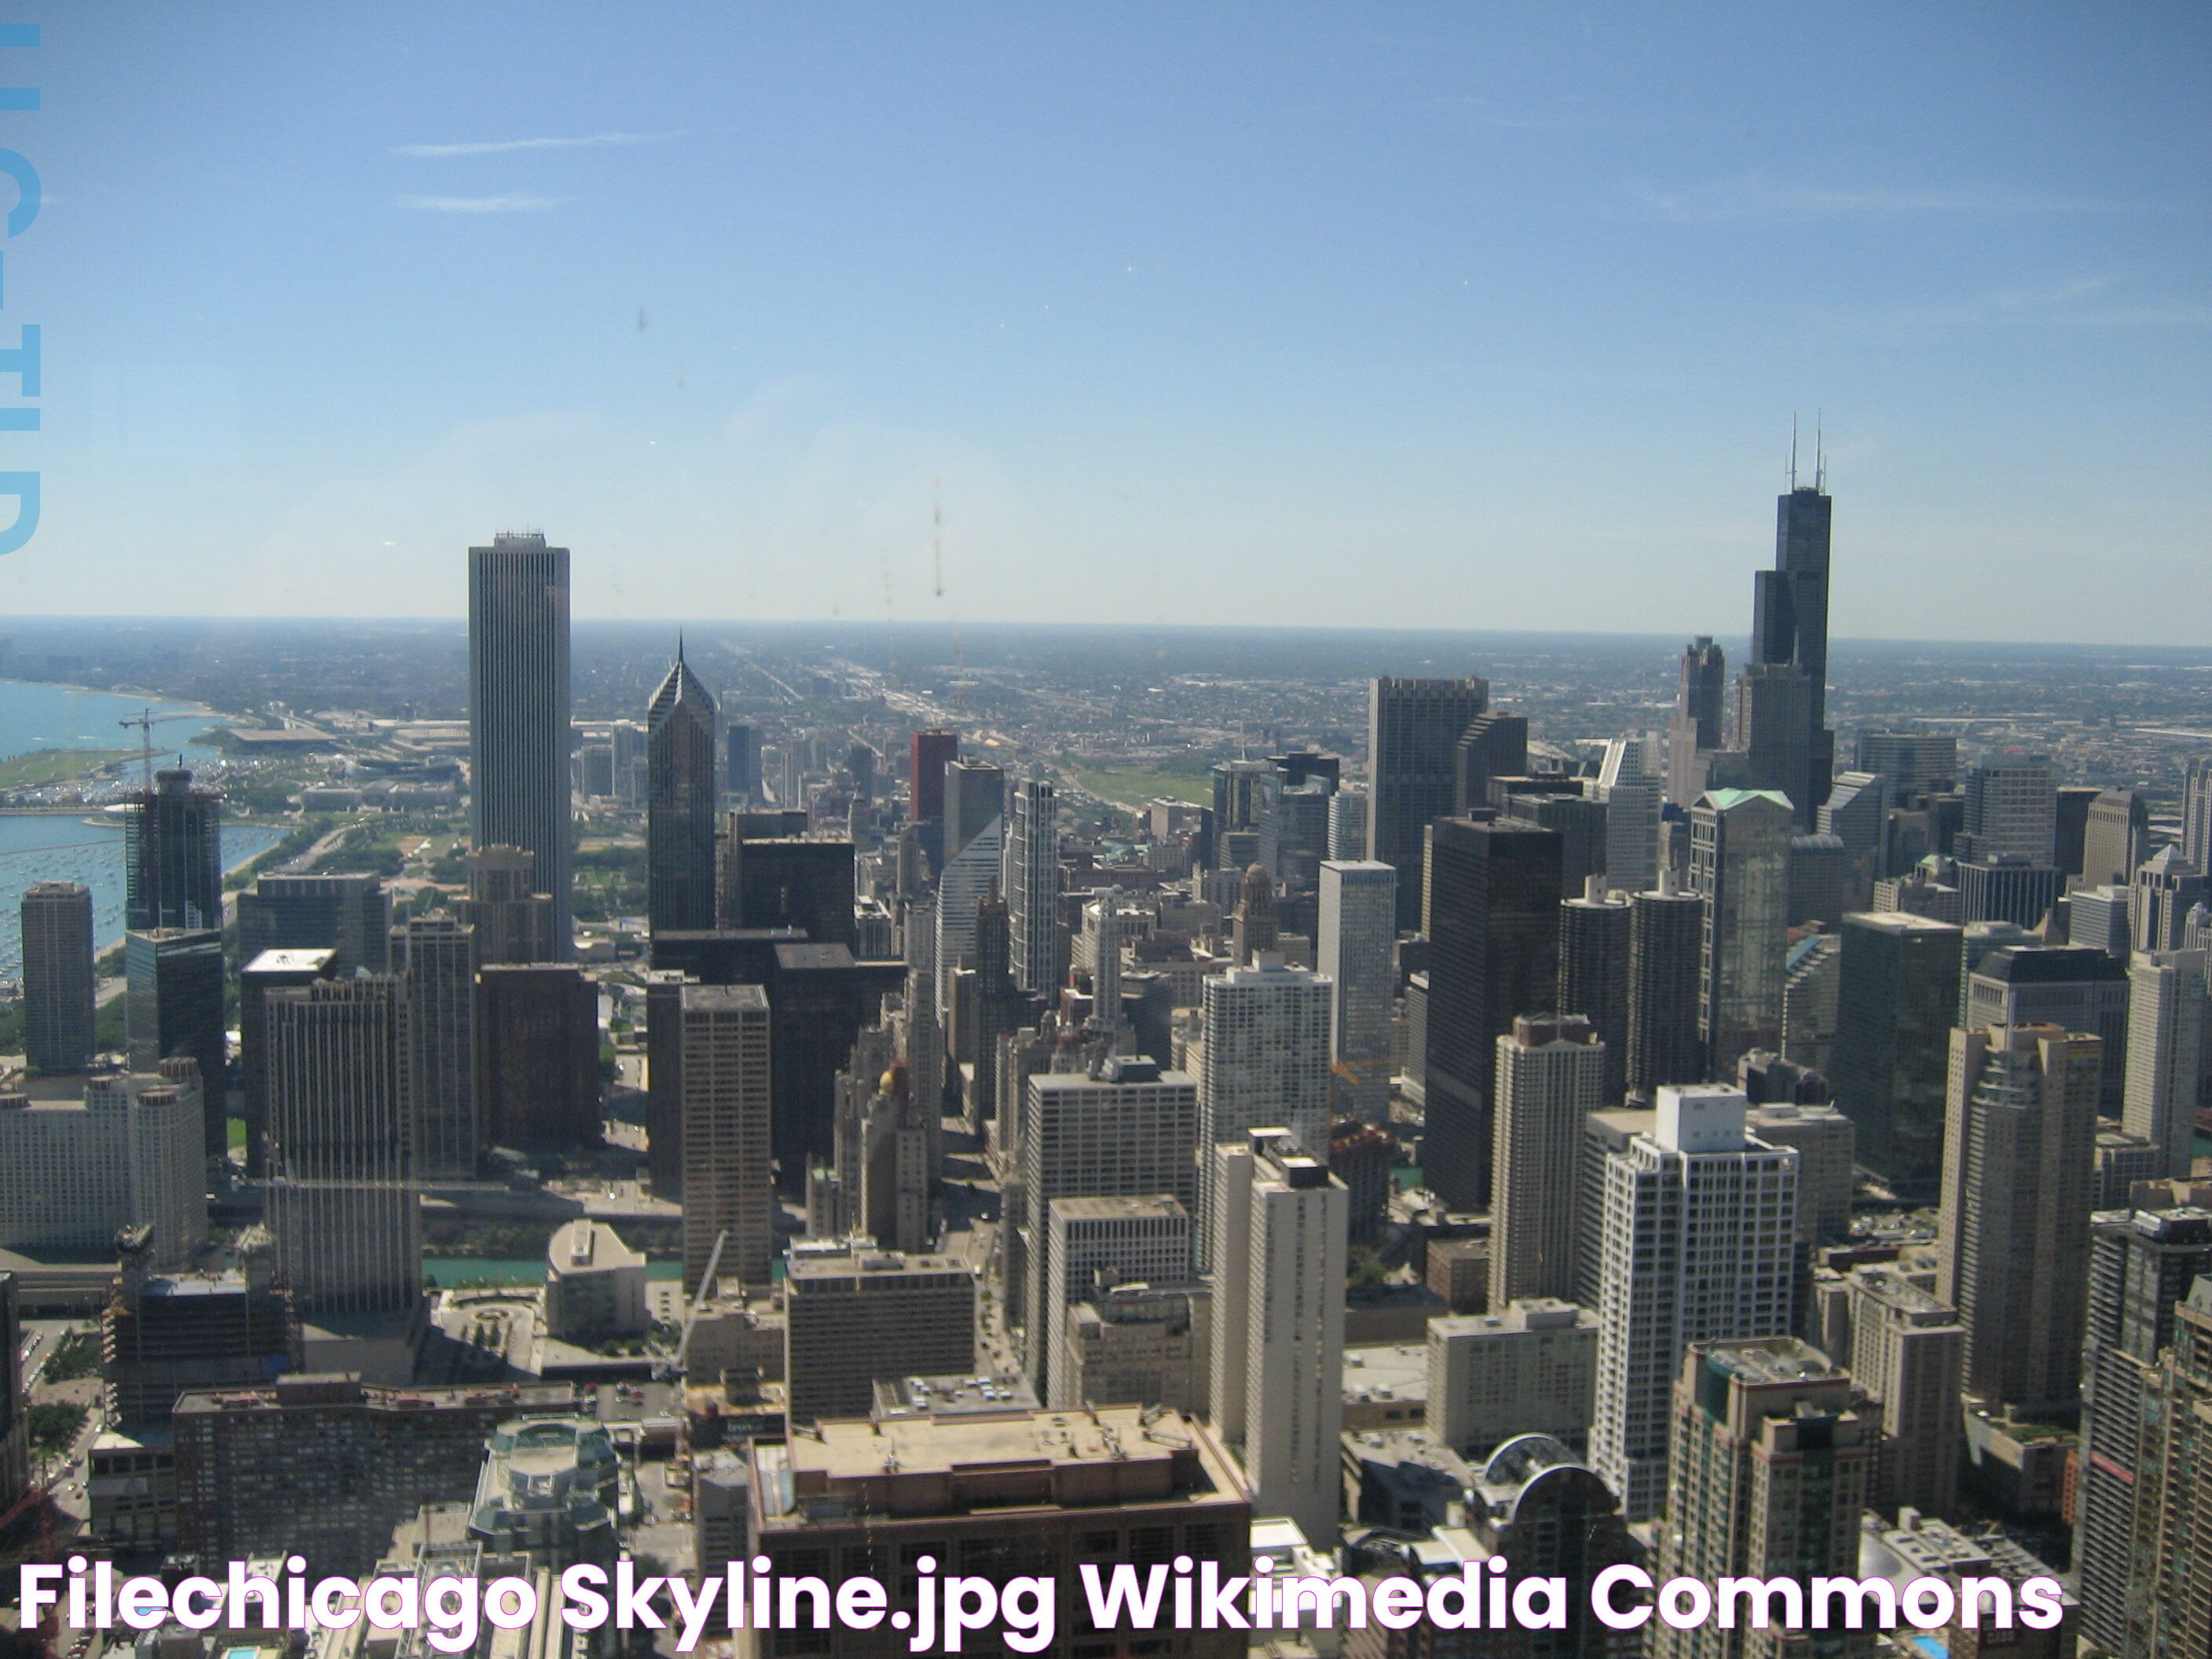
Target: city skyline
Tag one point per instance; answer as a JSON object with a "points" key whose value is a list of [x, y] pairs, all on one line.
{"points": [[1501, 308]]}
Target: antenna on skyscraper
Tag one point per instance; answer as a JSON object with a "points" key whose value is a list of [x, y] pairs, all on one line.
{"points": [[1820, 454], [1793, 450], [937, 532]]}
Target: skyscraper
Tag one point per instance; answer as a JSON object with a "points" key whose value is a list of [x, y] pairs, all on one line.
{"points": [[1413, 729], [15, 1415], [438, 982], [1551, 1077], [1790, 625], [2020, 1140], [2074, 988], [679, 818], [271, 970], [173, 1005], [1495, 932], [1254, 931], [2142, 1265], [1595, 933], [519, 712], [2197, 813], [1267, 1053], [729, 1182], [1632, 784], [1897, 997], [349, 912], [509, 909], [1697, 1235], [2116, 837], [1695, 730], [1774, 1454], [538, 1057], [1277, 1231], [2012, 806], [929, 752], [2170, 1599], [172, 855], [974, 850], [1666, 927], [2166, 888], [1739, 867], [1097, 1243], [1131, 1131], [1036, 939], [1494, 746], [2166, 1053], [341, 1198], [1353, 951], [58, 977], [742, 767], [1774, 728], [1908, 1352]]}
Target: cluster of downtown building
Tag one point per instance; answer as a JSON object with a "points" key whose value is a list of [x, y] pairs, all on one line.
{"points": [[1803, 1154]]}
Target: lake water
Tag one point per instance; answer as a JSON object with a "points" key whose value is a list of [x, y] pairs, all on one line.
{"points": [[62, 717], [87, 847]]}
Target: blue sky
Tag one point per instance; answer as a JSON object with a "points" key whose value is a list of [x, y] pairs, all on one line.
{"points": [[1481, 315]]}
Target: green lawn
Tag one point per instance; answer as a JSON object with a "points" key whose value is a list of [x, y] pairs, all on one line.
{"points": [[45, 766], [1132, 785], [237, 1133]]}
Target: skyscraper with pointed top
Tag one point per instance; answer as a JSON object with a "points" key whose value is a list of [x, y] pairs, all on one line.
{"points": [[1789, 618], [679, 822]]}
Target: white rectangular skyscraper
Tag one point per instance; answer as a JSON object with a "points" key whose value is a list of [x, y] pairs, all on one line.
{"points": [[1700, 1222], [1279, 1222], [1266, 1059]]}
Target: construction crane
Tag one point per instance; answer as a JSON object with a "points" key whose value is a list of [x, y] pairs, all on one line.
{"points": [[706, 1294], [146, 720]]}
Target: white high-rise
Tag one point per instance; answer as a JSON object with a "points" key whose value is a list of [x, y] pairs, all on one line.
{"points": [[1266, 1059], [1698, 1238], [1095, 1243], [1129, 1131], [1278, 1225], [1551, 1077], [1357, 929], [2166, 1053], [1032, 888]]}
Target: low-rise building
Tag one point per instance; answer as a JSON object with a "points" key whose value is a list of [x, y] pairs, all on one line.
{"points": [[855, 1315], [82, 1157], [1034, 1493], [376, 1456], [1530, 1368], [594, 1283]]}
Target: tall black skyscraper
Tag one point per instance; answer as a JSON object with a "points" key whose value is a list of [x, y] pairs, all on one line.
{"points": [[174, 1006], [58, 977], [172, 855], [1665, 940], [1413, 729], [1789, 618], [680, 824], [518, 712], [1594, 950], [1494, 954]]}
